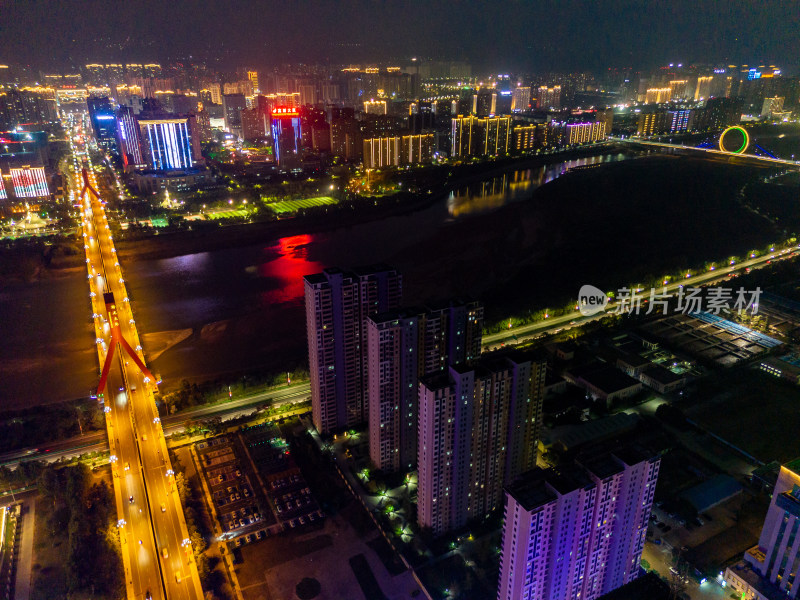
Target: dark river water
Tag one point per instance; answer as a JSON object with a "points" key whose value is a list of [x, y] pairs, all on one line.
{"points": [[241, 309]]}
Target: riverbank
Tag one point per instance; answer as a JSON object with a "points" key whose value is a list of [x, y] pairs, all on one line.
{"points": [[209, 237]]}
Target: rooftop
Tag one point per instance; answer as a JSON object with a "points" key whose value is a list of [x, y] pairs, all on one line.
{"points": [[608, 379], [711, 492], [603, 466], [530, 490]]}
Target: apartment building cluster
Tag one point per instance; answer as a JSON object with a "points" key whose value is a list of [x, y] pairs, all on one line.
{"points": [[578, 531], [416, 377]]}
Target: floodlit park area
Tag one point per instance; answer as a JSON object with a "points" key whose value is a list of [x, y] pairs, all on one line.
{"points": [[291, 206]]}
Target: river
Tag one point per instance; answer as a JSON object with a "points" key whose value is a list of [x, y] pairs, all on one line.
{"points": [[241, 309]]}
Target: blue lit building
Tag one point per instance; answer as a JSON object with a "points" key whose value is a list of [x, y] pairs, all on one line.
{"points": [[104, 122], [170, 142], [129, 140], [286, 134]]}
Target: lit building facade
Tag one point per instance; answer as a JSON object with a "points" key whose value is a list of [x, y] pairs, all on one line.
{"points": [[584, 133], [520, 99], [477, 427], [286, 134], [524, 138], [375, 107], [170, 143], [232, 107], [703, 88], [474, 136], [255, 124], [29, 181], [578, 532], [774, 562], [103, 119], [680, 120], [394, 151], [337, 306], [658, 95], [652, 123], [252, 77], [771, 107], [548, 97], [129, 139], [402, 346]]}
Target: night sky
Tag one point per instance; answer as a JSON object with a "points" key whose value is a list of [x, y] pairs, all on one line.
{"points": [[509, 35]]}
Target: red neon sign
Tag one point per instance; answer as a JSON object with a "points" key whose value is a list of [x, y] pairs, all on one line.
{"points": [[284, 111]]}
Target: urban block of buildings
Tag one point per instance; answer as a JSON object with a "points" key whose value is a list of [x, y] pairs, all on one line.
{"points": [[577, 531]]}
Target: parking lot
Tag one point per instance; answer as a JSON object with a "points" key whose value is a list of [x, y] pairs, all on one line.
{"points": [[230, 482], [287, 491], [256, 488]]}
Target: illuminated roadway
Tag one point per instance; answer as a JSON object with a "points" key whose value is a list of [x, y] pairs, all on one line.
{"points": [[533, 330], [157, 557]]}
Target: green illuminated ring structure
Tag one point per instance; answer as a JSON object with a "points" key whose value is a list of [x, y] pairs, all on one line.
{"points": [[745, 143]]}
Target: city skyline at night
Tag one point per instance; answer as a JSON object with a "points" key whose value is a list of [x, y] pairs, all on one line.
{"points": [[398, 300]]}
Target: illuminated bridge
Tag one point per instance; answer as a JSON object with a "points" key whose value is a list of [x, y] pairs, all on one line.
{"points": [[157, 554], [734, 141]]}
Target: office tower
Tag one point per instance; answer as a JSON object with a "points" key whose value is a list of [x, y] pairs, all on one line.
{"points": [[345, 135], [232, 107], [773, 563], [375, 107], [476, 430], [286, 134], [337, 306], [103, 119], [255, 124], [472, 136], [520, 98], [252, 77], [129, 139], [658, 95], [402, 346], [549, 97], [169, 142], [578, 531], [504, 101]]}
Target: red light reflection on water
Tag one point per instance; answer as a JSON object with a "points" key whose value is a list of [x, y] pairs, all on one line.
{"points": [[286, 262]]}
